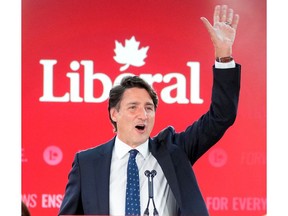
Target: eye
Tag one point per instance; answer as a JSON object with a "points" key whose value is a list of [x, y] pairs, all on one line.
{"points": [[132, 107], [150, 108]]}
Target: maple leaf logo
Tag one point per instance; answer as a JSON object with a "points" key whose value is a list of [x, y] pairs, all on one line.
{"points": [[130, 54]]}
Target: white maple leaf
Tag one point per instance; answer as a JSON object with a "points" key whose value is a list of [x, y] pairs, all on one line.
{"points": [[130, 54]]}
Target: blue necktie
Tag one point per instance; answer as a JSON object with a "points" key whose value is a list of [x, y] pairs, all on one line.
{"points": [[132, 188]]}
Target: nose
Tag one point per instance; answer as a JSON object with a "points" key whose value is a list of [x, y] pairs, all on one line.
{"points": [[143, 114]]}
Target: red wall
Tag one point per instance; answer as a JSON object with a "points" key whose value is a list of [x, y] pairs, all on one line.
{"points": [[79, 36]]}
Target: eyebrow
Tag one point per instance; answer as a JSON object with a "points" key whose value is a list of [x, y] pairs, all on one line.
{"points": [[136, 103], [150, 104]]}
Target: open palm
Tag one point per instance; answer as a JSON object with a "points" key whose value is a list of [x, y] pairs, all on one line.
{"points": [[223, 31]]}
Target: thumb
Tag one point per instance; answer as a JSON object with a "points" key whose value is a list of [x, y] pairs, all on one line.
{"points": [[207, 24]]}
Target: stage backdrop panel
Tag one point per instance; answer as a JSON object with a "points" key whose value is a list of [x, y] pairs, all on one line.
{"points": [[74, 51]]}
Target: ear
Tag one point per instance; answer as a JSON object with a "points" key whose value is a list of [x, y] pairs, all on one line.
{"points": [[113, 114]]}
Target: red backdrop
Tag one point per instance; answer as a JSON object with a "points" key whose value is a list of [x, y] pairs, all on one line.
{"points": [[68, 63]]}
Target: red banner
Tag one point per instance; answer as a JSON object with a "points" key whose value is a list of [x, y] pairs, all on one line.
{"points": [[73, 52]]}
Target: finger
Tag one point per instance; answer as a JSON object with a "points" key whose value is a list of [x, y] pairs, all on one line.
{"points": [[230, 16], [223, 13], [216, 14], [208, 26], [235, 21]]}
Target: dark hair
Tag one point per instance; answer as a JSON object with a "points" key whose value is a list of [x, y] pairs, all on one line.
{"points": [[24, 209], [116, 93]]}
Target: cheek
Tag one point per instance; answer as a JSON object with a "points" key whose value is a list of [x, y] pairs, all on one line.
{"points": [[152, 121], [126, 122]]}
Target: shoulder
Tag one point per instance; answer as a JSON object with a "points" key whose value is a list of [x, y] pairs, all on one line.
{"points": [[97, 151], [164, 135]]}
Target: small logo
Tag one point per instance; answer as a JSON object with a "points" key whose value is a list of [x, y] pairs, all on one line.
{"points": [[23, 158], [218, 157], [52, 155], [130, 54]]}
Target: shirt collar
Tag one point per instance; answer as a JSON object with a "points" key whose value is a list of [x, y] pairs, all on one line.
{"points": [[121, 148]]}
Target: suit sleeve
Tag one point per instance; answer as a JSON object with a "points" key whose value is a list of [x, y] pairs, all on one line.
{"points": [[209, 128], [71, 204]]}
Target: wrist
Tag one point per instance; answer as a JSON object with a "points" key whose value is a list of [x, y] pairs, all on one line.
{"points": [[223, 52], [224, 59]]}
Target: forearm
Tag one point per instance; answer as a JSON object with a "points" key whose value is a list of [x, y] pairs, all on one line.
{"points": [[205, 132], [225, 93]]}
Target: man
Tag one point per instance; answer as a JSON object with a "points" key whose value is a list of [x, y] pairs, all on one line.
{"points": [[98, 183]]}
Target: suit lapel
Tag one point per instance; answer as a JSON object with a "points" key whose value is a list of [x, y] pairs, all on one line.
{"points": [[102, 170], [161, 153]]}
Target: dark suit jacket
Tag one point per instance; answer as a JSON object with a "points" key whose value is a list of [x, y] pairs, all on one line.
{"points": [[87, 191]]}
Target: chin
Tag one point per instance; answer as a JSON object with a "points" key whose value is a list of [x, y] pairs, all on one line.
{"points": [[142, 140]]}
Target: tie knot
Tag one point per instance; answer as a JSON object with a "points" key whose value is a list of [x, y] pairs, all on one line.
{"points": [[133, 153]]}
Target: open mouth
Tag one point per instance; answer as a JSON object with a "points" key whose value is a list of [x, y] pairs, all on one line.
{"points": [[140, 127]]}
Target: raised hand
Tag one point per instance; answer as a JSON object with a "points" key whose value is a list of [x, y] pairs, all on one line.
{"points": [[223, 31]]}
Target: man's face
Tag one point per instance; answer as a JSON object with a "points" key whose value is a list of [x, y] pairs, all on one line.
{"points": [[135, 117]]}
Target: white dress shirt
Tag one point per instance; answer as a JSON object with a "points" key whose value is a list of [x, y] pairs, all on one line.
{"points": [[226, 65], [164, 199]]}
